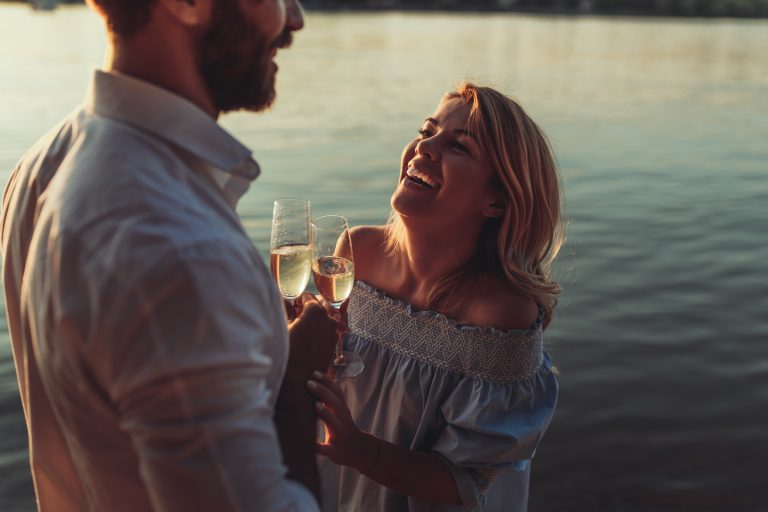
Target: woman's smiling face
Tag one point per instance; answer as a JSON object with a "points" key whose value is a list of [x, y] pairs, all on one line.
{"points": [[443, 176]]}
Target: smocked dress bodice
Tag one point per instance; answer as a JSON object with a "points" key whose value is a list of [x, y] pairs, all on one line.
{"points": [[478, 397]]}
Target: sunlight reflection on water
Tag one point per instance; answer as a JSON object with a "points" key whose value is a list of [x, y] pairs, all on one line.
{"points": [[660, 129]]}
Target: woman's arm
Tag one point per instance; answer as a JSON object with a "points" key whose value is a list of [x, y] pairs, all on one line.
{"points": [[420, 475]]}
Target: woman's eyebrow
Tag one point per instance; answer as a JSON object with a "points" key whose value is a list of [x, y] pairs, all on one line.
{"points": [[459, 131]]}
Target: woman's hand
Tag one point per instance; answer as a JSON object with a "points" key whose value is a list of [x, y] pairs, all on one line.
{"points": [[422, 475], [345, 444]]}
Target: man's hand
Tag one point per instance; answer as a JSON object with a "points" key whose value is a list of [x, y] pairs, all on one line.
{"points": [[313, 336]]}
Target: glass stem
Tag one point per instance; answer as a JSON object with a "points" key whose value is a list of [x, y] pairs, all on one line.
{"points": [[339, 359]]}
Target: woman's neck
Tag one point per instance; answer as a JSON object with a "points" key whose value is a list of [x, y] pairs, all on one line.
{"points": [[428, 255]]}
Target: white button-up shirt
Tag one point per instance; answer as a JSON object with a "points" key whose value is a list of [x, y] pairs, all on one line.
{"points": [[149, 339]]}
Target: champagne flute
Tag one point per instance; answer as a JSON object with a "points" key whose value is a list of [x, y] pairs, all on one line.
{"points": [[290, 247], [334, 271]]}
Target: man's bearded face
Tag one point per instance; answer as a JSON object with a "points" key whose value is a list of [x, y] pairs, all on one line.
{"points": [[234, 57]]}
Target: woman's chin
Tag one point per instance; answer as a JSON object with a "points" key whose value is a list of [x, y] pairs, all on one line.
{"points": [[405, 203], [400, 199]]}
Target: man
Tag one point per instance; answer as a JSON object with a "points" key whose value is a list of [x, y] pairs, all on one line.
{"points": [[149, 340]]}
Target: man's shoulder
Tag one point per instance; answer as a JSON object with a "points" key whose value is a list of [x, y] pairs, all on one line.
{"points": [[126, 194], [99, 138], [33, 173], [84, 139], [112, 166], [49, 150]]}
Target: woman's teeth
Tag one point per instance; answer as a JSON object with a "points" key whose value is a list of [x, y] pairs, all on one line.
{"points": [[421, 178]]}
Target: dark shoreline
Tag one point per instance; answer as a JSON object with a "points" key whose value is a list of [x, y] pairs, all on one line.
{"points": [[574, 13], [757, 9]]}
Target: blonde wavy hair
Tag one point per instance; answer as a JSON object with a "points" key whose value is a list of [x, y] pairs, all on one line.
{"points": [[522, 244]]}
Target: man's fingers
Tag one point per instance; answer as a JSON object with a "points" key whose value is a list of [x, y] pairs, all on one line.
{"points": [[306, 297], [313, 308], [316, 306], [290, 311], [319, 301], [330, 310]]}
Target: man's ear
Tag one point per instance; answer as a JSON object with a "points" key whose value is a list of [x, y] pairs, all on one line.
{"points": [[192, 13], [493, 209]]}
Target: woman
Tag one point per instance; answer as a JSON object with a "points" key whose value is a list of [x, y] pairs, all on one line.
{"points": [[447, 314]]}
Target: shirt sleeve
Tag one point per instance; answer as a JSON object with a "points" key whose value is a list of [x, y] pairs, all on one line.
{"points": [[493, 426], [187, 356]]}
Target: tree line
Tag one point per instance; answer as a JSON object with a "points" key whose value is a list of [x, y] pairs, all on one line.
{"points": [[740, 8]]}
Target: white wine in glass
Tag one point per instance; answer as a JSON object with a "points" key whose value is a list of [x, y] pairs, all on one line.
{"points": [[334, 270], [290, 247], [334, 277]]}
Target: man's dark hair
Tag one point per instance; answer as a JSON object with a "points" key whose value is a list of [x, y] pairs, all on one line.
{"points": [[125, 17]]}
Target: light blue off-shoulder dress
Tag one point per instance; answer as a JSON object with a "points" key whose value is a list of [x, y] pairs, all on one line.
{"points": [[479, 398]]}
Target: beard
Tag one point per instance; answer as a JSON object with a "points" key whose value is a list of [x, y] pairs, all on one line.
{"points": [[235, 60]]}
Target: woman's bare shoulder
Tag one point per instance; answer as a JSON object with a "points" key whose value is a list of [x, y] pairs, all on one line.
{"points": [[366, 238], [494, 302], [369, 249]]}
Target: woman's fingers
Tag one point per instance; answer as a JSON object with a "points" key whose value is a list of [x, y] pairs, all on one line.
{"points": [[323, 393], [323, 449], [327, 450], [327, 392], [329, 418], [329, 383], [328, 407]]}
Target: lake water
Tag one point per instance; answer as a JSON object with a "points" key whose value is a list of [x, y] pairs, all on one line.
{"points": [[661, 130]]}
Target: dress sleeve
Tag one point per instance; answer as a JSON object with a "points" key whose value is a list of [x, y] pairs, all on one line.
{"points": [[491, 426], [188, 361]]}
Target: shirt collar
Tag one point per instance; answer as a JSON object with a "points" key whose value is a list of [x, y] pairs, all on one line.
{"points": [[175, 119]]}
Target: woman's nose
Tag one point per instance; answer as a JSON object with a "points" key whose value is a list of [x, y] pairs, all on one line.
{"points": [[426, 148]]}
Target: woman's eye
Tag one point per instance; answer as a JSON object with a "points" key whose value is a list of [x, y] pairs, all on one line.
{"points": [[461, 147], [423, 132]]}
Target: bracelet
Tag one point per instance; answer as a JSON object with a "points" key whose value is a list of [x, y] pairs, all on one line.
{"points": [[375, 458]]}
